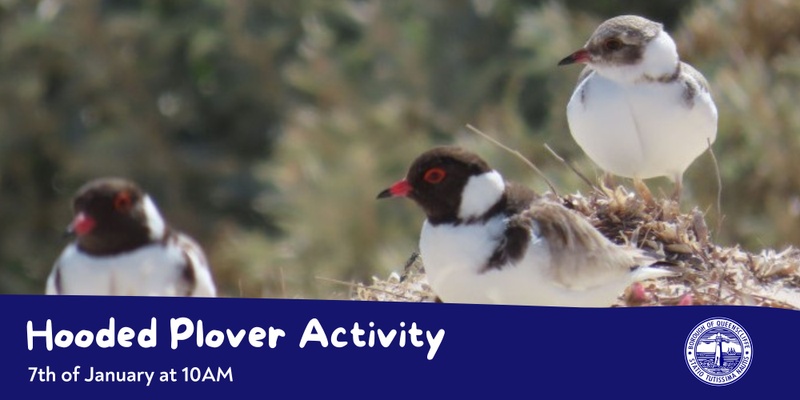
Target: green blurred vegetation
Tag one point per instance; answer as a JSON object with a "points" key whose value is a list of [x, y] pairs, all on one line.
{"points": [[266, 128]]}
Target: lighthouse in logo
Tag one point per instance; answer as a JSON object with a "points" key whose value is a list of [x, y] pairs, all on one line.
{"points": [[718, 351]]}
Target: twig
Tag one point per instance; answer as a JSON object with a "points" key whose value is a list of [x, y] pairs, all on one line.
{"points": [[518, 154], [571, 167], [357, 285], [348, 284], [765, 299], [721, 281], [720, 217], [411, 260], [700, 228]]}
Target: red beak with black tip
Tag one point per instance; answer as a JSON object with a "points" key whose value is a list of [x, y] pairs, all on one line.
{"points": [[80, 225], [581, 56], [400, 189]]}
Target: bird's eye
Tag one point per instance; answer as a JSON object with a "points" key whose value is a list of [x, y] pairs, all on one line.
{"points": [[122, 201], [434, 175], [613, 44]]}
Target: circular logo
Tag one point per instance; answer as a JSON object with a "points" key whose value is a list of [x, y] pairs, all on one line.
{"points": [[718, 351]]}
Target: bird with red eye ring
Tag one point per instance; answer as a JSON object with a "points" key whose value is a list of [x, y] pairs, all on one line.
{"points": [[434, 175], [122, 245], [123, 201]]}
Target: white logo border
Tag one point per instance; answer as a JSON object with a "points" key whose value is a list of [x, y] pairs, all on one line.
{"points": [[686, 356]]}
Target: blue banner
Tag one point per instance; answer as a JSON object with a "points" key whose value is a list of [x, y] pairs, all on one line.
{"points": [[143, 347]]}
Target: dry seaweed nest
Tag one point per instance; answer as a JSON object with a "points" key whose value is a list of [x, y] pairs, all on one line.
{"points": [[711, 274]]}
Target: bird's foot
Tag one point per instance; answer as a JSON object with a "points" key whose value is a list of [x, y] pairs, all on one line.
{"points": [[636, 295]]}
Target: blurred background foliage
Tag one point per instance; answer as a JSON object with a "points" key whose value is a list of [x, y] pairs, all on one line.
{"points": [[265, 129]]}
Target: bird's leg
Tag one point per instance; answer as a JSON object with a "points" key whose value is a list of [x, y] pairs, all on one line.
{"points": [[643, 191], [676, 195]]}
